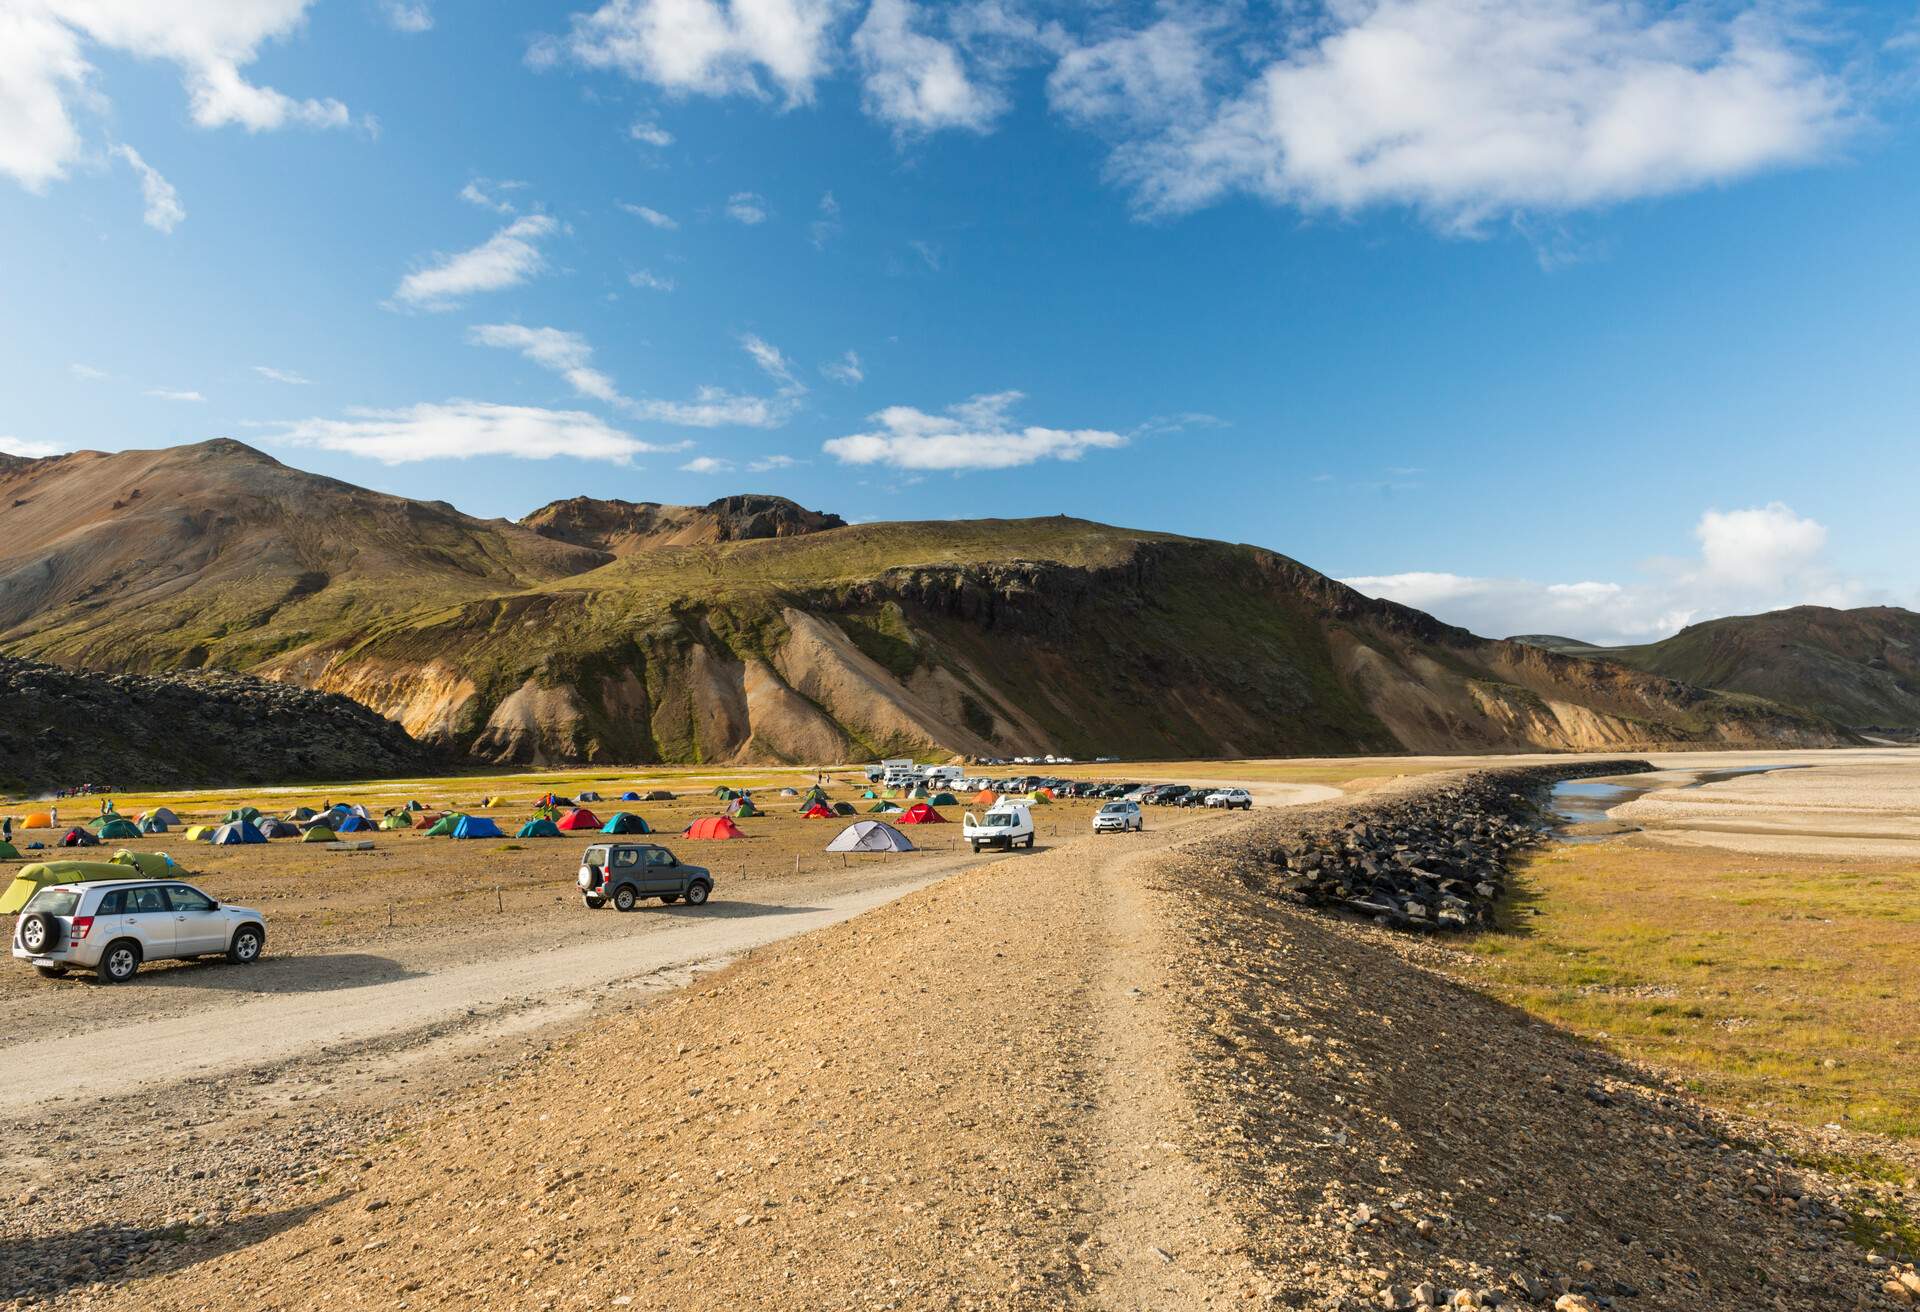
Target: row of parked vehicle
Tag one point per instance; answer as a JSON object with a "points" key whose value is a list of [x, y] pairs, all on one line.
{"points": [[1114, 791]]}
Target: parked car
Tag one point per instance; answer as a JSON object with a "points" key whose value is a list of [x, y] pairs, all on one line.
{"points": [[1006, 825], [1118, 818], [1231, 799], [111, 926], [627, 873]]}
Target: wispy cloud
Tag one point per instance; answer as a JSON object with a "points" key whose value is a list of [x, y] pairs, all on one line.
{"points": [[86, 373], [567, 354], [271, 374], [712, 407], [650, 215], [747, 207], [408, 15], [847, 370], [31, 450], [826, 224], [766, 464], [488, 194], [651, 133], [174, 394], [163, 208], [464, 430], [977, 434], [773, 364], [508, 258], [704, 47], [707, 465], [650, 280]]}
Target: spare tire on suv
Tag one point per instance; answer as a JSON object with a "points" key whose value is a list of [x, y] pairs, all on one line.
{"points": [[39, 932]]}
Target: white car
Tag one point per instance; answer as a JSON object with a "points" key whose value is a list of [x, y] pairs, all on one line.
{"points": [[1007, 824], [1232, 799], [1118, 818], [111, 926]]}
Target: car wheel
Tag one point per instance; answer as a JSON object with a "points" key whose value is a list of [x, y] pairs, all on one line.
{"points": [[39, 933], [1030, 838], [119, 962], [246, 945], [624, 898], [51, 972], [697, 895], [593, 903]]}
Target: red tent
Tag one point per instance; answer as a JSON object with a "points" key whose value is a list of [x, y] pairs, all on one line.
{"points": [[818, 811], [579, 818], [713, 826], [426, 820], [920, 814]]}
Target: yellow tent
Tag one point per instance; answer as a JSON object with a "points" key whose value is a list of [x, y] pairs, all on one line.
{"points": [[33, 878], [154, 865], [200, 834]]}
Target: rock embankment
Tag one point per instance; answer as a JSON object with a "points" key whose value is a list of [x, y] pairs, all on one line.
{"points": [[1431, 856], [60, 727]]}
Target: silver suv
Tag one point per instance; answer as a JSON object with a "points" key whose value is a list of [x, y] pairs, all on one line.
{"points": [[1118, 817], [110, 927], [625, 873]]}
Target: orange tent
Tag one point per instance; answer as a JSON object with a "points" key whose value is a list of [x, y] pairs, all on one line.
{"points": [[579, 818], [818, 811], [713, 826], [1046, 792], [38, 820], [426, 820], [985, 797], [920, 814]]}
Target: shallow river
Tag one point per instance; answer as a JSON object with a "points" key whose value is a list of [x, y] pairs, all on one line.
{"points": [[1587, 801]]}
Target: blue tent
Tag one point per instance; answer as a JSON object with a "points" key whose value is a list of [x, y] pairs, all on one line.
{"points": [[237, 831], [539, 827], [629, 796], [153, 825], [353, 824], [624, 822], [477, 826]]}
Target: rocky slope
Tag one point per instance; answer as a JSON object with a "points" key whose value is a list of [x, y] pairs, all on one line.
{"points": [[62, 727], [1858, 667], [752, 629]]}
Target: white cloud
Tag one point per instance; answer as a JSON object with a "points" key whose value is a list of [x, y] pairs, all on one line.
{"points": [[273, 375], [164, 210], [915, 82], [45, 76], [713, 407], [826, 224], [847, 369], [1154, 76], [705, 47], [506, 259], [485, 193], [86, 373], [747, 207], [174, 394], [461, 430], [1752, 560], [652, 216], [30, 450], [976, 434], [1470, 109], [650, 280], [773, 364], [707, 465], [651, 133], [567, 354], [766, 463], [408, 15]]}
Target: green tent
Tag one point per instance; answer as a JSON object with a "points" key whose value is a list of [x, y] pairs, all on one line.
{"points": [[724, 793], [318, 834], [250, 814], [539, 827], [398, 820], [8, 852], [446, 825], [154, 865], [33, 878], [943, 799], [746, 807], [117, 828], [882, 808], [869, 795]]}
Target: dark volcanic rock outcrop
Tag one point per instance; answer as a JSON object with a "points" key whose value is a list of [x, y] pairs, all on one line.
{"points": [[60, 727]]}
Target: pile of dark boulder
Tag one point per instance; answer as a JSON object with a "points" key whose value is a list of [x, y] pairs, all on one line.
{"points": [[60, 726], [1431, 856]]}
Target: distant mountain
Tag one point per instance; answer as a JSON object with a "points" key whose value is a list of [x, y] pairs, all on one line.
{"points": [[753, 629], [1554, 642], [1860, 667]]}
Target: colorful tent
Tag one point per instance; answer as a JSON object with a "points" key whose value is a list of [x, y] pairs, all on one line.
{"points": [[789, 792], [554, 802], [33, 878], [843, 808], [1041, 798], [625, 822], [814, 794], [37, 820], [199, 833], [353, 824], [869, 795], [539, 827], [398, 820], [152, 824], [477, 826], [154, 865], [629, 796], [162, 814], [943, 799], [272, 828], [985, 797], [742, 807], [883, 808], [589, 797], [724, 793], [921, 814], [818, 811], [117, 828], [77, 837], [237, 831], [300, 814], [445, 825], [871, 836], [246, 813], [413, 806], [426, 820], [714, 827], [8, 852], [317, 834], [579, 818]]}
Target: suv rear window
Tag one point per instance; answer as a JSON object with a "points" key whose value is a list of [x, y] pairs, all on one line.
{"points": [[596, 856], [55, 901]]}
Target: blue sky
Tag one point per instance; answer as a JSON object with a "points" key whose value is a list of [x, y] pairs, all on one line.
{"points": [[1535, 313]]}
